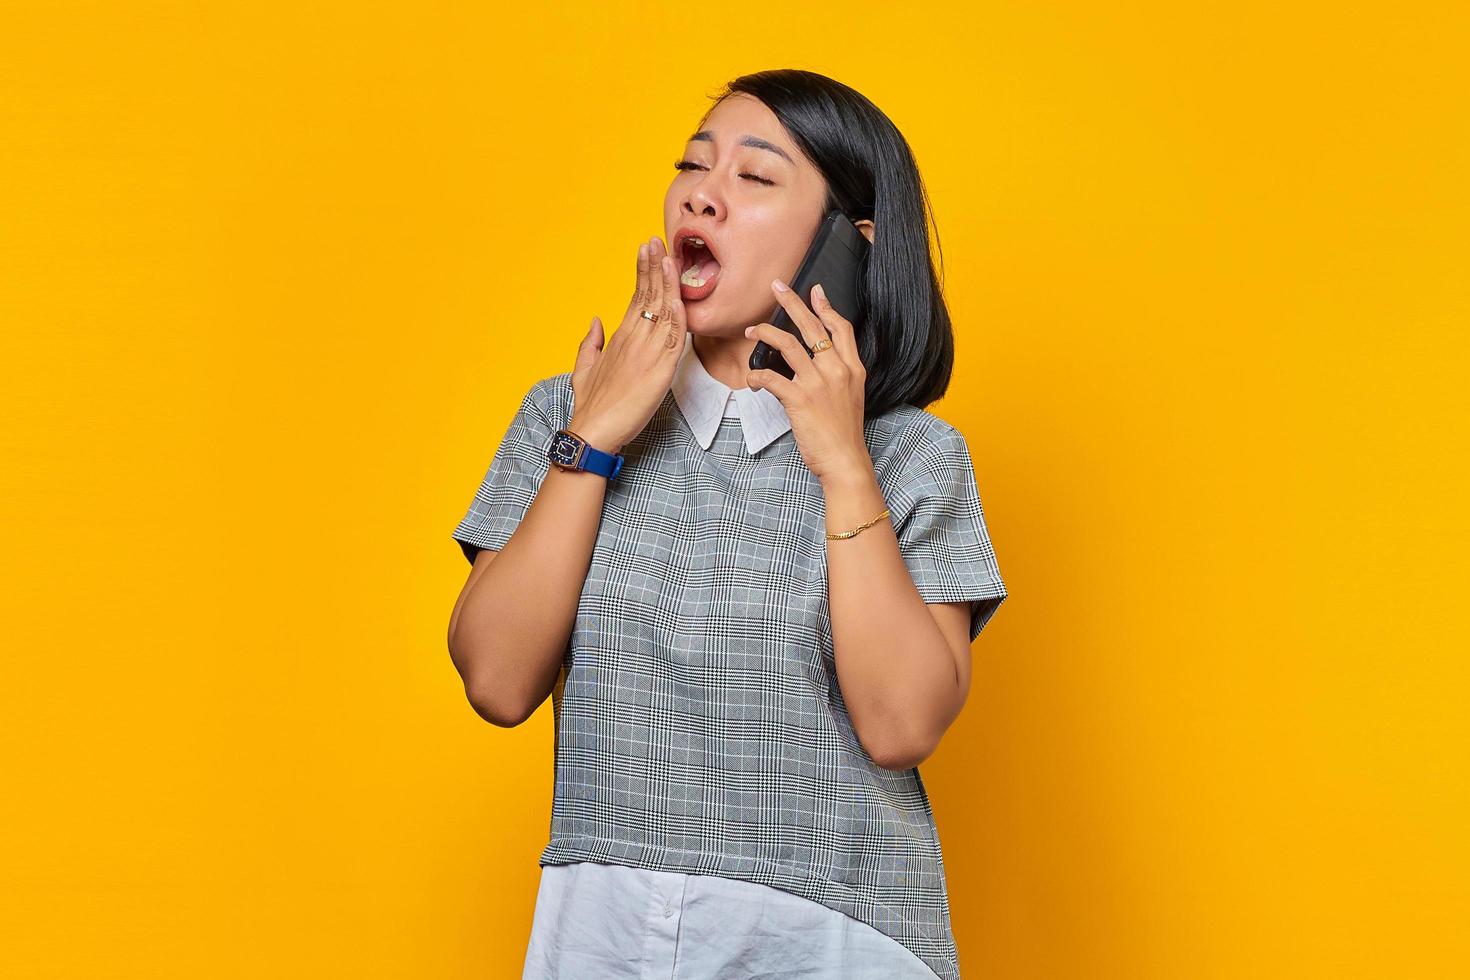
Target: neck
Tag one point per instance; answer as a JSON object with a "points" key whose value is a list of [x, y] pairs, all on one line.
{"points": [[727, 359]]}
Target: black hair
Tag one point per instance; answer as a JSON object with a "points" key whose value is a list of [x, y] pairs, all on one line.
{"points": [[906, 344]]}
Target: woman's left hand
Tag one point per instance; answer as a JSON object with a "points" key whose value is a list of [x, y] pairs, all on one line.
{"points": [[825, 400]]}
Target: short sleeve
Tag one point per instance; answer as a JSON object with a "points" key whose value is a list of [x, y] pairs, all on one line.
{"points": [[942, 534], [513, 480]]}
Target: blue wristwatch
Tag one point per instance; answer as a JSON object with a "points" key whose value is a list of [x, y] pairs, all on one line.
{"points": [[570, 451]]}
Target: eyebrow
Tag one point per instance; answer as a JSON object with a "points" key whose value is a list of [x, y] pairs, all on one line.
{"points": [[747, 140]]}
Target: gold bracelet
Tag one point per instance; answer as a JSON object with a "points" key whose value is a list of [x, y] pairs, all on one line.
{"points": [[847, 534]]}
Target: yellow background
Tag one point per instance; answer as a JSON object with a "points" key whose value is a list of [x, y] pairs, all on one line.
{"points": [[275, 276]]}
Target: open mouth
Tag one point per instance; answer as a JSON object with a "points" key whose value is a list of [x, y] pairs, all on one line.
{"points": [[699, 269]]}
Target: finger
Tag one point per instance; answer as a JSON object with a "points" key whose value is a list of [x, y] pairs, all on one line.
{"points": [[783, 388], [806, 321], [674, 304], [790, 348], [655, 296], [840, 328], [590, 348], [640, 287]]}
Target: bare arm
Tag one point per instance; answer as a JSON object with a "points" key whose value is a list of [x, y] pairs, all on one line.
{"points": [[903, 665], [515, 615]]}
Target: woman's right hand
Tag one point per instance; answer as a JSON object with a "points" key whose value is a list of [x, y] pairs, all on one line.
{"points": [[616, 390]]}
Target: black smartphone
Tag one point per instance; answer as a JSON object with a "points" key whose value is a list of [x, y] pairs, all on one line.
{"points": [[837, 259]]}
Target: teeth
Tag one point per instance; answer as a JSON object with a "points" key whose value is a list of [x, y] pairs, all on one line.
{"points": [[691, 274]]}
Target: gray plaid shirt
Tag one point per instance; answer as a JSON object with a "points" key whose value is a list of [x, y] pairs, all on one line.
{"points": [[700, 726]]}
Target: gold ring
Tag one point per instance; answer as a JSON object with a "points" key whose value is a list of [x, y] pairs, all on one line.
{"points": [[821, 345], [648, 316]]}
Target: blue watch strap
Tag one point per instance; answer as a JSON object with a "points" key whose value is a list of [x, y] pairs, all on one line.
{"points": [[599, 462]]}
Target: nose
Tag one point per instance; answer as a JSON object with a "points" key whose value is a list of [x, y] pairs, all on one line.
{"points": [[703, 198]]}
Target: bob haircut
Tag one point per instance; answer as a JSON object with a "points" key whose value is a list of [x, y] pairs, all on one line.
{"points": [[907, 344]]}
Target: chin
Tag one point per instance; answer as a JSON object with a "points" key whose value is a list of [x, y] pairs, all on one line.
{"points": [[720, 329], [706, 320]]}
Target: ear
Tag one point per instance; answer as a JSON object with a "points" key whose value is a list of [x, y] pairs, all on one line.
{"points": [[866, 227]]}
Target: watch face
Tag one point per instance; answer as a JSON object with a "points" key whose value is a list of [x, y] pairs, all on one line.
{"points": [[565, 450]]}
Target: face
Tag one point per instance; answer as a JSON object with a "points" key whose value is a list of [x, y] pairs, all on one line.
{"points": [[759, 207]]}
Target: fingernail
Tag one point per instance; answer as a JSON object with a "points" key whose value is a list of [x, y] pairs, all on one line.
{"points": [[821, 293], [749, 331], [780, 286]]}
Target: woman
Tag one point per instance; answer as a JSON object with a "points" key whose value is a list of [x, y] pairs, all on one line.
{"points": [[756, 628]]}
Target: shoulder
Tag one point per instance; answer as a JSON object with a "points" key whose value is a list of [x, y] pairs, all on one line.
{"points": [[906, 441]]}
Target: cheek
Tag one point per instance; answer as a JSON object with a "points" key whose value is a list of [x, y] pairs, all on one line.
{"points": [[786, 243], [777, 262]]}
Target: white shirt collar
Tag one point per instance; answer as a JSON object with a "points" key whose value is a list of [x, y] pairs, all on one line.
{"points": [[703, 401]]}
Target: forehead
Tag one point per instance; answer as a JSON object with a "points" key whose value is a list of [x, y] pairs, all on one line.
{"points": [[743, 120]]}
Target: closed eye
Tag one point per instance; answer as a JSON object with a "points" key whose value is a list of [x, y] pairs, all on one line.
{"points": [[691, 165]]}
